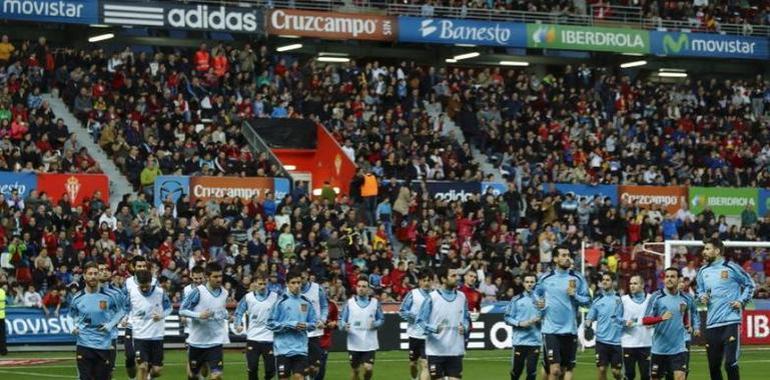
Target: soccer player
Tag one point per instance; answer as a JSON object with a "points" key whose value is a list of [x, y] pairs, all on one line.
{"points": [[317, 296], [205, 308], [292, 317], [138, 263], [636, 339], [410, 308], [257, 305], [198, 277], [149, 306], [725, 288], [361, 317], [559, 294], [473, 296], [105, 284], [524, 319], [94, 313], [672, 313], [607, 311], [444, 318], [326, 339]]}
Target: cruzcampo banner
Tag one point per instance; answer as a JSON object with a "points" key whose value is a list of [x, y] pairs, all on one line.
{"points": [[728, 201], [616, 40]]}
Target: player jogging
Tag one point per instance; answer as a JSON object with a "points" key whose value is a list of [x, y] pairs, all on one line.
{"points": [[444, 318], [292, 317], [410, 308], [361, 317], [257, 306], [524, 319], [205, 308], [725, 288], [198, 277], [105, 284], [559, 294], [94, 313], [637, 338], [672, 313], [317, 296], [326, 339], [607, 310], [149, 306], [138, 263]]}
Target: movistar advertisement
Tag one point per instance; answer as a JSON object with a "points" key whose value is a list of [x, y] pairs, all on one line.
{"points": [[172, 15], [708, 45], [568, 37], [59, 11], [453, 31]]}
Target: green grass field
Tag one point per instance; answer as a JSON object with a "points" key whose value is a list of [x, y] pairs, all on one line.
{"points": [[755, 364]]}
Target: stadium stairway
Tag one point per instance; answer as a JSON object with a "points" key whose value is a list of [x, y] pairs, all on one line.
{"points": [[119, 184], [451, 129]]}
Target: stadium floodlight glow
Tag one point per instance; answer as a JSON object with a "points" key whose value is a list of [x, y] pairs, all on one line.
{"points": [[288, 47], [99, 26], [288, 36], [101, 37], [328, 53], [290, 167], [465, 45], [514, 63], [667, 74], [632, 64], [466, 56], [672, 70], [333, 59], [450, 60], [633, 54]]}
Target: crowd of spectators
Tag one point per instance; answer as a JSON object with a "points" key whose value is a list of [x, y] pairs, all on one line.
{"points": [[173, 105]]}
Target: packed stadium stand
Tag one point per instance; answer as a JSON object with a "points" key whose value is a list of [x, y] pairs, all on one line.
{"points": [[526, 137]]}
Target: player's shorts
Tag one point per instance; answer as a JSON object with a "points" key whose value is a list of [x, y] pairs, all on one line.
{"points": [[289, 365], [314, 351], [609, 355], [664, 364], [149, 351], [213, 356], [93, 363], [560, 349], [443, 366], [360, 357], [416, 349], [128, 345]]}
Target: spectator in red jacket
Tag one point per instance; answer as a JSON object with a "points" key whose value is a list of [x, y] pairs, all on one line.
{"points": [[52, 300]]}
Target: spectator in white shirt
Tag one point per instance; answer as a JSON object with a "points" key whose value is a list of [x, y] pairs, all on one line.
{"points": [[32, 298]]}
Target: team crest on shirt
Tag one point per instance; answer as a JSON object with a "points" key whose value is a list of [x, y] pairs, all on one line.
{"points": [[103, 305], [303, 308], [724, 275]]}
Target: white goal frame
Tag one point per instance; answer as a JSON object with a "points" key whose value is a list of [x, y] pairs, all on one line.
{"points": [[668, 246]]}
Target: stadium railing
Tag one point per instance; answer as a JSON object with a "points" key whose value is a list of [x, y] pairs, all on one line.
{"points": [[604, 16]]}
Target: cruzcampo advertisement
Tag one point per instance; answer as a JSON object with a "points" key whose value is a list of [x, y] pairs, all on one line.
{"points": [[616, 40], [728, 201]]}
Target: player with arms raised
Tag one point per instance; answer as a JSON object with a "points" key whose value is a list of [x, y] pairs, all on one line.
{"points": [[559, 293]]}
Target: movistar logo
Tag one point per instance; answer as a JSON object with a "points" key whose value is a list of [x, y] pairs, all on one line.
{"points": [[671, 46]]}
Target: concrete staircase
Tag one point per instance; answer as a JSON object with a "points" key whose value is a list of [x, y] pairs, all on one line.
{"points": [[452, 129], [119, 184]]}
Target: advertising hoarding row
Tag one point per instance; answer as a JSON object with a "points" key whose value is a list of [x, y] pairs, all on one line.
{"points": [[78, 187]]}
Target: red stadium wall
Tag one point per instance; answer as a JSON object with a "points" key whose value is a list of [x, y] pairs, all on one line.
{"points": [[327, 162]]}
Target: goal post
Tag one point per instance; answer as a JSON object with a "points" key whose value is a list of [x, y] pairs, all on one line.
{"points": [[668, 246]]}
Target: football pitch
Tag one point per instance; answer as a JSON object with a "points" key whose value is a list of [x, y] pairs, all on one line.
{"points": [[392, 365]]}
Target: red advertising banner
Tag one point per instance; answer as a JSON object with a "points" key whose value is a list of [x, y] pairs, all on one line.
{"points": [[77, 186], [755, 328], [207, 188], [670, 197], [331, 25]]}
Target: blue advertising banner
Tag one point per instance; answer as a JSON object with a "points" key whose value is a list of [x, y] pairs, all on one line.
{"points": [[452, 31], [281, 188], [23, 182], [589, 192], [708, 45], [764, 199], [452, 191], [498, 188], [30, 325], [58, 11], [171, 186]]}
